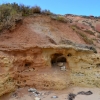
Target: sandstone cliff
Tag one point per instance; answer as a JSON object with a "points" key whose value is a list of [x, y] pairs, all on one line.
{"points": [[30, 56]]}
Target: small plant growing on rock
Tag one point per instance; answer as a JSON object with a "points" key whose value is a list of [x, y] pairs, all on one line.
{"points": [[74, 28], [89, 32], [77, 27], [85, 38], [59, 18], [98, 36]]}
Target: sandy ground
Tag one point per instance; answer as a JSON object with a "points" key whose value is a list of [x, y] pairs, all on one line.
{"points": [[23, 94]]}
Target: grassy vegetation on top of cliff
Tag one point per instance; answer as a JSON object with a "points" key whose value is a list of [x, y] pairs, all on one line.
{"points": [[11, 13]]}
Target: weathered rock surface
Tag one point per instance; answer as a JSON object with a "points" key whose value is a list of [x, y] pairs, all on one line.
{"points": [[29, 58], [34, 68]]}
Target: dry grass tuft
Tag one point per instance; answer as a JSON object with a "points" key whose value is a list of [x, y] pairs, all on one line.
{"points": [[89, 32], [85, 38], [59, 18]]}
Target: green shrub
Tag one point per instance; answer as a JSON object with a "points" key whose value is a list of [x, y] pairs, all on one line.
{"points": [[8, 16], [36, 9], [5, 11], [12, 13], [15, 6], [25, 10], [47, 12]]}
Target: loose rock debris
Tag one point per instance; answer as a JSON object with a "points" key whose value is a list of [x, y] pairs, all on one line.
{"points": [[54, 97], [85, 93], [63, 68], [32, 90], [72, 96], [37, 98], [14, 94]]}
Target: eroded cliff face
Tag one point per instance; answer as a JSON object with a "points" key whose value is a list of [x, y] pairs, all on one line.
{"points": [[46, 54], [39, 67]]}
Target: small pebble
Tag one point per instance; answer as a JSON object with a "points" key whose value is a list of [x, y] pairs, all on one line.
{"points": [[63, 68], [60, 64], [36, 95], [54, 97], [85, 93], [42, 94], [37, 98], [32, 90]]}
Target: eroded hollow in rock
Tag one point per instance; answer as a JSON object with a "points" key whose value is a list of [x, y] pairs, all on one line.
{"points": [[58, 60], [27, 64]]}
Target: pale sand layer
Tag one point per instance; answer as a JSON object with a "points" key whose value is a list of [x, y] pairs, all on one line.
{"points": [[23, 94]]}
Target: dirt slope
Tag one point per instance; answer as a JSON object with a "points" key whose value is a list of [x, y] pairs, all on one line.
{"points": [[42, 30], [38, 30]]}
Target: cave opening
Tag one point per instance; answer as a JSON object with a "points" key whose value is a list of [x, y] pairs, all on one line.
{"points": [[58, 60]]}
